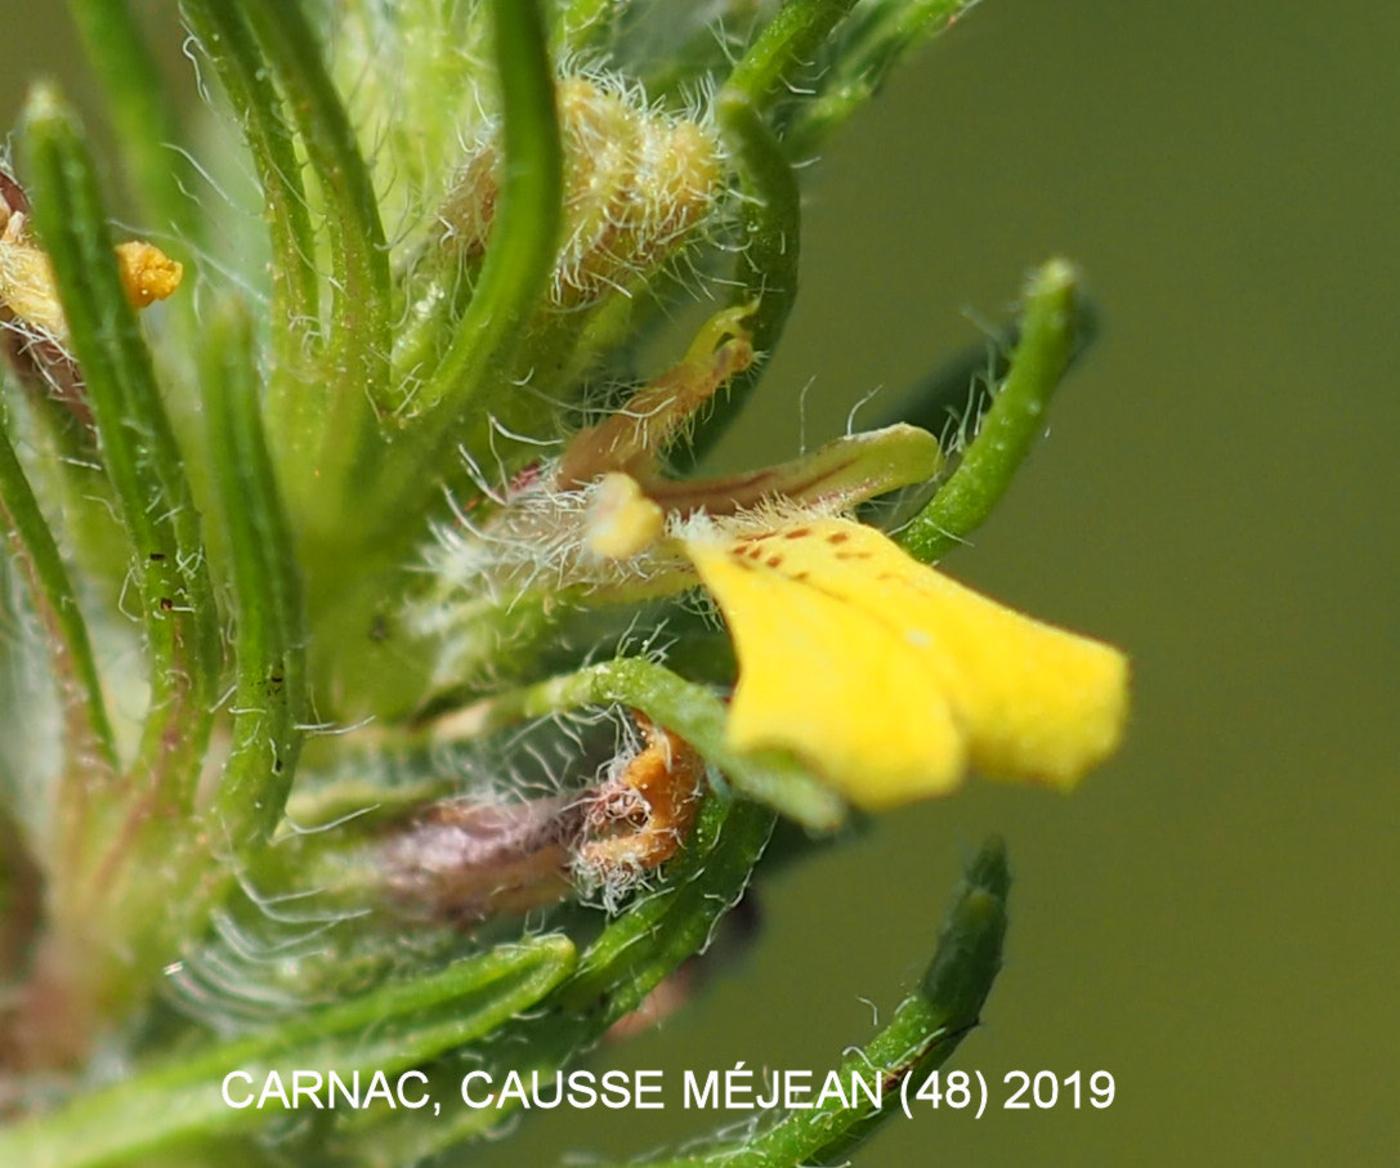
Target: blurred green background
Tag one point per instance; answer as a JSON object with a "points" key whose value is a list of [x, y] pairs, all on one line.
{"points": [[1212, 917]]}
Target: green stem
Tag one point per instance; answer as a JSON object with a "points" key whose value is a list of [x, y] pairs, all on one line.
{"points": [[271, 699], [925, 1030], [692, 711], [1012, 424]]}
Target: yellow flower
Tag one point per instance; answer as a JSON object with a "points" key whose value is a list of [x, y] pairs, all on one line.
{"points": [[891, 680]]}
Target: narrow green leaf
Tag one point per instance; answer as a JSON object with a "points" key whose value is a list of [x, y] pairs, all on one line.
{"points": [[787, 45], [88, 732], [247, 80], [524, 233], [1010, 427], [271, 698], [952, 398], [139, 104], [164, 179], [770, 240], [581, 23], [925, 1030], [389, 1030], [359, 345], [142, 460], [881, 34], [67, 468], [615, 974], [525, 229], [692, 711]]}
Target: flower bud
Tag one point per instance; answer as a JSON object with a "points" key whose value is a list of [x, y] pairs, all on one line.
{"points": [[636, 183]]}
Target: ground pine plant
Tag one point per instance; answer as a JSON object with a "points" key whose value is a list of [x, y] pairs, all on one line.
{"points": [[387, 684]]}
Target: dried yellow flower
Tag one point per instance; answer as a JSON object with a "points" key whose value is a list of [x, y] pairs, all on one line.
{"points": [[29, 291]]}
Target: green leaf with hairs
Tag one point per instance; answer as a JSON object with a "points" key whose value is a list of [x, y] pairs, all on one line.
{"points": [[271, 701], [925, 1030], [390, 1030], [138, 450], [1050, 326]]}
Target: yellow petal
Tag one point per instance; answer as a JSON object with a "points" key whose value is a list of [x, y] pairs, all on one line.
{"points": [[890, 679]]}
